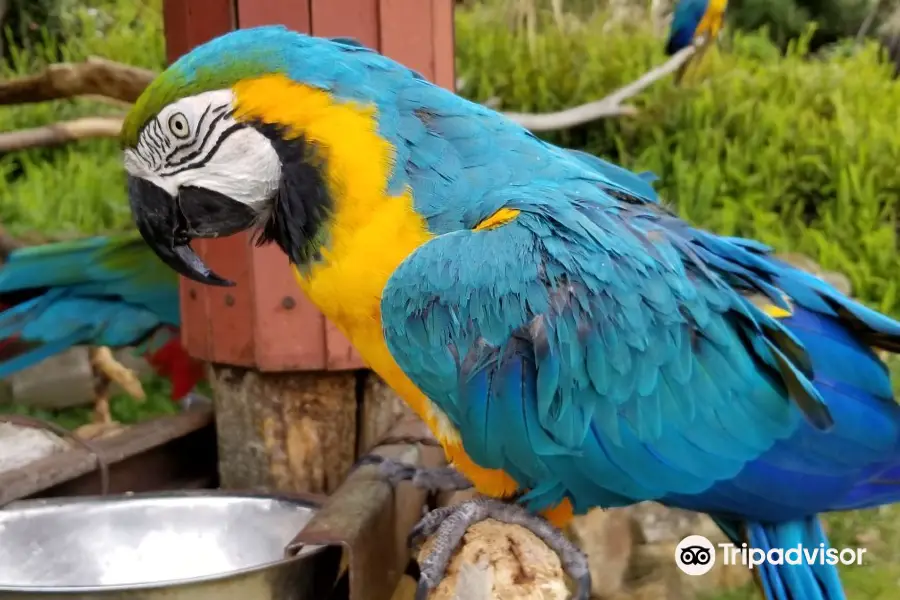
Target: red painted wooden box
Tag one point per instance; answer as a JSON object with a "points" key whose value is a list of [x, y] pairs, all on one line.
{"points": [[265, 322]]}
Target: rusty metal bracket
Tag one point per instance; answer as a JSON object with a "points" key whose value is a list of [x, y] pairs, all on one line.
{"points": [[370, 521]]}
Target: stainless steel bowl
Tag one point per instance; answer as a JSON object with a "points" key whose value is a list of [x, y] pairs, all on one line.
{"points": [[184, 545]]}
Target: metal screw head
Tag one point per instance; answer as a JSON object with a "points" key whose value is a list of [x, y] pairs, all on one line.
{"points": [[229, 300], [288, 302]]}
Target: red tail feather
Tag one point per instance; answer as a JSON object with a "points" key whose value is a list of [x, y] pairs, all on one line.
{"points": [[172, 361]]}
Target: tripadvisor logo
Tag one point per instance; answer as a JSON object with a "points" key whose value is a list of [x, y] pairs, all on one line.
{"points": [[696, 555], [794, 555]]}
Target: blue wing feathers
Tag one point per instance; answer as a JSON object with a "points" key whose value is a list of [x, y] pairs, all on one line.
{"points": [[109, 291], [685, 19], [656, 370]]}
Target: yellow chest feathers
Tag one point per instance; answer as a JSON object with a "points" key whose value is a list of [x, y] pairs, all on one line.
{"points": [[369, 233]]}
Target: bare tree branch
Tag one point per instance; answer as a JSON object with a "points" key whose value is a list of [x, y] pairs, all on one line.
{"points": [[60, 133], [868, 22], [123, 84], [95, 76], [610, 106]]}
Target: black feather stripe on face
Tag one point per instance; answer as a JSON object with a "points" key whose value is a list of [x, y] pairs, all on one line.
{"points": [[302, 204]]}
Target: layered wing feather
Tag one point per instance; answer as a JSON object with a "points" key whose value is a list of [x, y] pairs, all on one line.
{"points": [[599, 348]]}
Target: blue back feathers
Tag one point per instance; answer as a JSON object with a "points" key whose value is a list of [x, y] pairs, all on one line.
{"points": [[110, 291]]}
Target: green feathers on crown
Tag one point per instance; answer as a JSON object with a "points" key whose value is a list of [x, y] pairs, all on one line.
{"points": [[235, 56], [186, 77]]}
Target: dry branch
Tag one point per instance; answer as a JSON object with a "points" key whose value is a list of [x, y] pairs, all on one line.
{"points": [[60, 133], [610, 106], [497, 561], [95, 76], [123, 84]]}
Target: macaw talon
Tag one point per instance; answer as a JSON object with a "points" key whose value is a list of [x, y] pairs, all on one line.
{"points": [[448, 525], [438, 479]]}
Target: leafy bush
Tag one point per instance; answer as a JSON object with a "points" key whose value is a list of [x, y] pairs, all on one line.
{"points": [[786, 20], [80, 188], [801, 154]]}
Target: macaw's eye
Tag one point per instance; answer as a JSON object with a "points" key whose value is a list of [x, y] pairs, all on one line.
{"points": [[178, 125]]}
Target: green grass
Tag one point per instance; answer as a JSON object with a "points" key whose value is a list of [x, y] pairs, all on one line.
{"points": [[124, 408], [78, 189]]}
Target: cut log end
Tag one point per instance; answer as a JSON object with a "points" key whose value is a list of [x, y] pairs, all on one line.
{"points": [[497, 561]]}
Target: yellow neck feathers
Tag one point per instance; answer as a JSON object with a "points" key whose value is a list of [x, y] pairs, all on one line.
{"points": [[370, 232]]}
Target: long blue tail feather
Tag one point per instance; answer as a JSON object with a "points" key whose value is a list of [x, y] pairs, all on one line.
{"points": [[108, 291], [816, 581]]}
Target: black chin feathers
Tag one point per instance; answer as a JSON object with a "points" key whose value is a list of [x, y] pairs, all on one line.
{"points": [[302, 204]]}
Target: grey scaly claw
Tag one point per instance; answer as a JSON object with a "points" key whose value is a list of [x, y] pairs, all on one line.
{"points": [[438, 479], [449, 524]]}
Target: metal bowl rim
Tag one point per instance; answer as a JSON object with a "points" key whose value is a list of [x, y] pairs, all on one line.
{"points": [[308, 501]]}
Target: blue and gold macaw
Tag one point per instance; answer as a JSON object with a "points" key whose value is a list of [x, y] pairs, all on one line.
{"points": [[695, 22], [102, 291], [570, 341]]}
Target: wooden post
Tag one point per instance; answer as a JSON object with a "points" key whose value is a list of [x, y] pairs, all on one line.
{"points": [[294, 406]]}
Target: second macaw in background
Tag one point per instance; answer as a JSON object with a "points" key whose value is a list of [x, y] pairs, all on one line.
{"points": [[104, 292], [695, 22], [569, 340]]}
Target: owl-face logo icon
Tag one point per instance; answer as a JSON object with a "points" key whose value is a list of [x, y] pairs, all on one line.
{"points": [[695, 555]]}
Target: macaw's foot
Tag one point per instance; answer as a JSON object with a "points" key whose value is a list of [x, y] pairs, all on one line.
{"points": [[449, 524], [99, 429], [102, 424], [438, 479]]}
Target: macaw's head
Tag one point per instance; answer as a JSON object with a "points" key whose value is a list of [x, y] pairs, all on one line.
{"points": [[236, 135]]}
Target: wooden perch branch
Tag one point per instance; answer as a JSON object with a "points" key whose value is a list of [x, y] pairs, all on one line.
{"points": [[610, 106], [61, 133], [501, 562], [95, 76]]}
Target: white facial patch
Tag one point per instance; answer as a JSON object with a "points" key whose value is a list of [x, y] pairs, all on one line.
{"points": [[197, 142]]}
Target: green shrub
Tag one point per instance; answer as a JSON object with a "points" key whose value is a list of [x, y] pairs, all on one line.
{"points": [[788, 19], [79, 188], [800, 154]]}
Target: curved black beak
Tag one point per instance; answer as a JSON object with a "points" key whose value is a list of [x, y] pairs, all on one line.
{"points": [[168, 231]]}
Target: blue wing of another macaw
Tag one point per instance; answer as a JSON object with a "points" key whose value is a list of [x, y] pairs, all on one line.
{"points": [[108, 291], [685, 19], [607, 352]]}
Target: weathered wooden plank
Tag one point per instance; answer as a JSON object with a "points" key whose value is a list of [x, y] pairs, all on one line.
{"points": [[20, 446], [41, 475]]}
